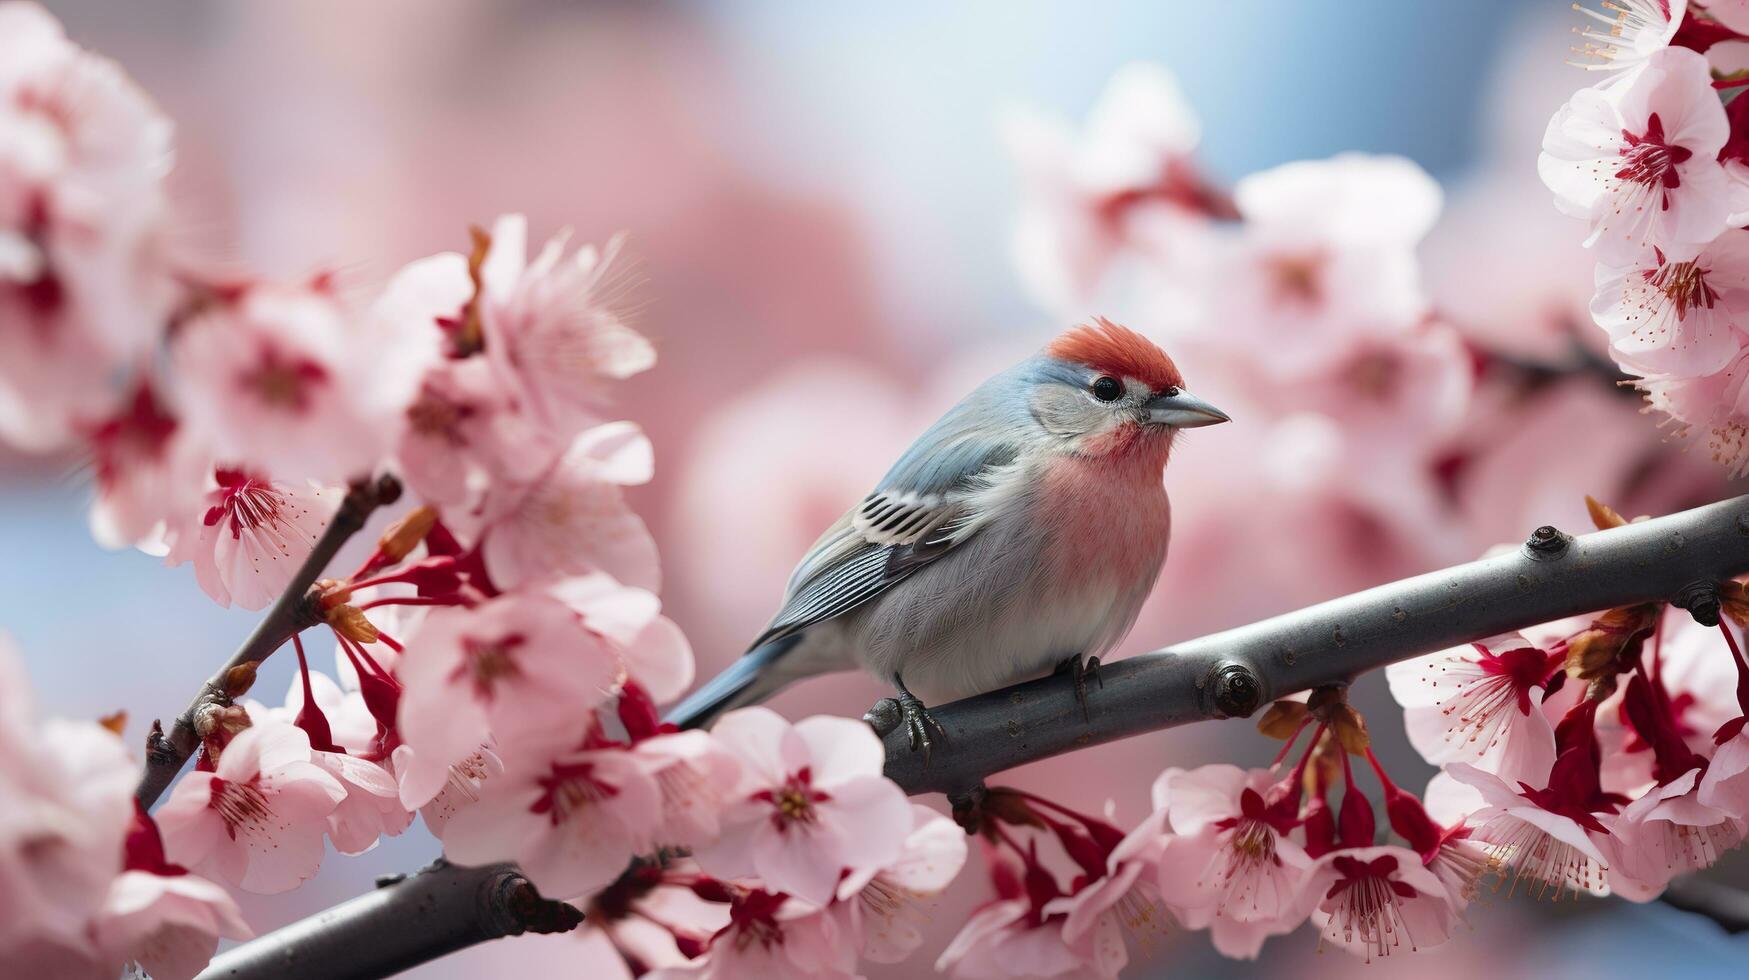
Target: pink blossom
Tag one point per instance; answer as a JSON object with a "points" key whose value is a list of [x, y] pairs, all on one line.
{"points": [[1375, 901], [1708, 411], [462, 431], [372, 807], [1624, 33], [460, 786], [1125, 900], [1479, 703], [1090, 194], [1007, 939], [1677, 317], [573, 518], [257, 820], [170, 924], [84, 291], [1638, 159], [572, 821], [144, 473], [556, 328], [883, 905], [521, 669], [251, 537], [1326, 255], [1228, 864], [812, 804], [776, 937], [65, 806], [1665, 833], [696, 775], [289, 381], [1548, 837], [656, 653]]}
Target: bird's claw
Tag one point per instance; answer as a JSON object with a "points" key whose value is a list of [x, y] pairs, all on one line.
{"points": [[919, 723], [1081, 669]]}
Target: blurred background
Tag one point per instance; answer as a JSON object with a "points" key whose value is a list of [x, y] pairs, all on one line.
{"points": [[823, 207]]}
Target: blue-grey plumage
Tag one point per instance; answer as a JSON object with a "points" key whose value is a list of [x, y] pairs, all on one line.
{"points": [[1023, 529]]}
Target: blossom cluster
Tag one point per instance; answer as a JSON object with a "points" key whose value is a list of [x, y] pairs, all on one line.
{"points": [[1655, 159]]}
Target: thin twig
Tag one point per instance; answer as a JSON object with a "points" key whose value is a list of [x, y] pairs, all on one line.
{"points": [[293, 612], [1225, 675]]}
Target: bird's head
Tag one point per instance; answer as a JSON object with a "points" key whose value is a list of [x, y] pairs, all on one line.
{"points": [[1105, 388]]}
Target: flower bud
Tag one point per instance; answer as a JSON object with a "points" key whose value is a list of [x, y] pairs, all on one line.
{"points": [[1611, 644], [349, 621], [401, 537], [1283, 720]]}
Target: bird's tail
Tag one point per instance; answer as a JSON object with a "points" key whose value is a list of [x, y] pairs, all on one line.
{"points": [[748, 680]]}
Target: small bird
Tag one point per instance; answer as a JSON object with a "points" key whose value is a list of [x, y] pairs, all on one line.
{"points": [[1017, 535]]}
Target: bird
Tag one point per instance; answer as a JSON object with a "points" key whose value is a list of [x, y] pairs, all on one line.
{"points": [[1019, 535]]}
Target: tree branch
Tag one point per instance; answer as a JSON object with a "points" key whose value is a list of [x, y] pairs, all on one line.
{"points": [[293, 612], [1553, 576], [1725, 905], [405, 922], [1226, 675]]}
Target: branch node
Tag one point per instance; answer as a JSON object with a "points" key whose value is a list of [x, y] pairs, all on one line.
{"points": [[884, 717], [968, 806], [1547, 542], [529, 912], [1701, 599], [1237, 690]]}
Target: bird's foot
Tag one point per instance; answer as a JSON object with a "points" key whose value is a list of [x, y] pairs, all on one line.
{"points": [[1081, 669], [924, 730]]}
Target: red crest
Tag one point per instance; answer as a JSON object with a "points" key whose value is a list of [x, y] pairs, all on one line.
{"points": [[1116, 350]]}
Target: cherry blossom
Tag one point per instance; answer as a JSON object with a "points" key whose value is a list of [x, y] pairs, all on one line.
{"points": [[656, 653], [573, 518], [143, 474], [1710, 411], [812, 804], [65, 808], [1013, 936], [251, 536], [1677, 317], [1325, 256], [1549, 836], [372, 807], [288, 381], [883, 905], [1480, 703], [1127, 178], [521, 668], [257, 820], [463, 429], [774, 936], [696, 775], [555, 329], [161, 917], [1638, 159], [1623, 34], [1124, 900], [1375, 901], [84, 290], [1229, 864], [1665, 833], [571, 822]]}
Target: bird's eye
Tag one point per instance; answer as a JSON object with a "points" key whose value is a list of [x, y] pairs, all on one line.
{"points": [[1107, 389]]}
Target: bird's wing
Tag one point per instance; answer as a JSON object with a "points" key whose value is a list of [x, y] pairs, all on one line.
{"points": [[919, 513]]}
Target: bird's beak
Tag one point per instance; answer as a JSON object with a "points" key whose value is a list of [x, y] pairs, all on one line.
{"points": [[1183, 411]]}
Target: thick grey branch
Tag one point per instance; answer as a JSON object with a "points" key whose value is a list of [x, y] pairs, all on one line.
{"points": [[1715, 900], [1230, 674], [402, 924], [1225, 675], [294, 611]]}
